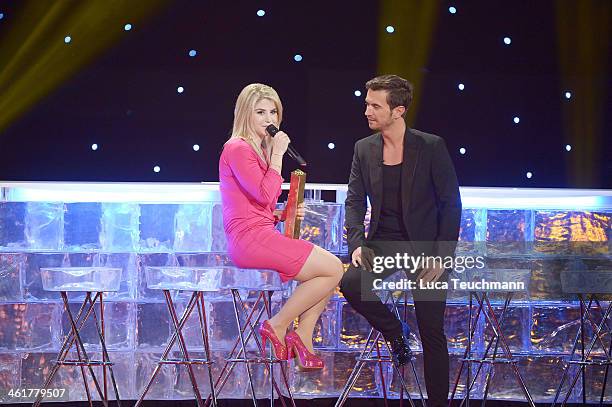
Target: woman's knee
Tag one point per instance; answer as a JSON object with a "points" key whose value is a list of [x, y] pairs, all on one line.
{"points": [[350, 284], [332, 266], [338, 269], [321, 263]]}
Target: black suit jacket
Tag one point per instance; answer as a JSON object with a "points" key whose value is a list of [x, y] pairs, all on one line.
{"points": [[431, 203]]}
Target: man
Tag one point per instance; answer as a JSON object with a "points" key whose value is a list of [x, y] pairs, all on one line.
{"points": [[410, 181]]}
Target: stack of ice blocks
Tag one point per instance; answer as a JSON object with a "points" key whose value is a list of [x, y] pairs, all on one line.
{"points": [[131, 235]]}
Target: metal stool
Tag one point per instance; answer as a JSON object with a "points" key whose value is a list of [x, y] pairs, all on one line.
{"points": [[389, 297], [90, 280], [590, 284], [198, 280], [520, 283], [264, 283]]}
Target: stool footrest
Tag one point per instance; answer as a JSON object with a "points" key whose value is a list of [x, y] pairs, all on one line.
{"points": [[254, 360], [84, 363], [185, 362], [490, 360], [590, 362], [382, 359]]}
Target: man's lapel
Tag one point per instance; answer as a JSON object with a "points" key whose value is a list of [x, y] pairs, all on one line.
{"points": [[412, 149], [376, 174]]}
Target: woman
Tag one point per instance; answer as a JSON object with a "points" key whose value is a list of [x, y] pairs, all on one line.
{"points": [[250, 182]]}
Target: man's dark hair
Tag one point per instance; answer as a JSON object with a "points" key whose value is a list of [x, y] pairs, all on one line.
{"points": [[399, 89]]}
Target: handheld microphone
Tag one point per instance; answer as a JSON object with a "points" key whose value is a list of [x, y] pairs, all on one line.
{"points": [[272, 130]]}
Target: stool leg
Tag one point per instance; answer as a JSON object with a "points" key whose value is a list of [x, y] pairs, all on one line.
{"points": [[268, 310], [79, 343], [582, 350], [104, 354], [269, 363], [82, 367], [414, 372], [469, 350], [591, 345], [349, 383], [467, 356], [579, 336], [596, 327], [608, 362], [400, 370], [400, 375], [471, 333], [243, 344], [355, 372], [568, 366], [182, 346], [100, 330], [469, 366], [205, 340], [380, 371], [66, 345], [491, 369], [228, 367], [495, 324], [480, 302], [268, 307], [165, 354], [608, 357], [474, 377]]}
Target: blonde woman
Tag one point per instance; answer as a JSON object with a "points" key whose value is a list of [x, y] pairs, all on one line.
{"points": [[250, 182]]}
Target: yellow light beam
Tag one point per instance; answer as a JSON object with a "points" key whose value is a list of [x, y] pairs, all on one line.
{"points": [[583, 30], [405, 52], [35, 58]]}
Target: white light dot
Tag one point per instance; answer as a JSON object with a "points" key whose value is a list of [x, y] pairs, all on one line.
{"points": [[331, 146], [94, 147], [461, 86], [516, 119], [507, 40], [568, 147], [127, 27], [357, 93], [180, 89], [529, 174], [67, 39], [1, 16], [297, 58], [452, 10], [568, 95], [196, 147], [156, 168], [462, 151], [261, 13], [390, 29], [193, 53]]}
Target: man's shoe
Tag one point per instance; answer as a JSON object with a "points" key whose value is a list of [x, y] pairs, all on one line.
{"points": [[400, 351]]}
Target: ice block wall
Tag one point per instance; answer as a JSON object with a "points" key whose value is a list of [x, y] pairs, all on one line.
{"points": [[52, 225]]}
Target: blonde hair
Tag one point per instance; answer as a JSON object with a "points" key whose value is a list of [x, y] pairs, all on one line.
{"points": [[245, 105]]}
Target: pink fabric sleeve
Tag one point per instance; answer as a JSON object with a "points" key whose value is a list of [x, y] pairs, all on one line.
{"points": [[262, 187]]}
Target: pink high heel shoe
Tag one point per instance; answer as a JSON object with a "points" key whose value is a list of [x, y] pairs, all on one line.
{"points": [[304, 359], [266, 332]]}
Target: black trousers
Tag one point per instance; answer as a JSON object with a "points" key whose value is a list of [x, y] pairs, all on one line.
{"points": [[356, 286]]}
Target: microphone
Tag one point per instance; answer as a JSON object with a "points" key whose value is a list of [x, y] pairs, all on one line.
{"points": [[272, 130]]}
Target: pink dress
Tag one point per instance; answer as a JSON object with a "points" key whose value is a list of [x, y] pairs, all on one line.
{"points": [[249, 192]]}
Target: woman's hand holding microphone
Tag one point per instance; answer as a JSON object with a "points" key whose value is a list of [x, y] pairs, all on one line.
{"points": [[280, 143]]}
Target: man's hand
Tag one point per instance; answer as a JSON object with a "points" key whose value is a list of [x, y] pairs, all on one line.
{"points": [[363, 256], [431, 274], [301, 212]]}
